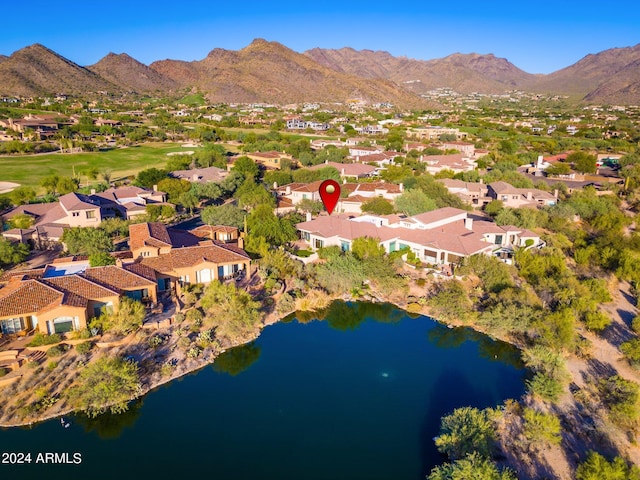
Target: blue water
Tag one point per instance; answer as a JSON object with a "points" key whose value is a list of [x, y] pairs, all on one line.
{"points": [[349, 397]]}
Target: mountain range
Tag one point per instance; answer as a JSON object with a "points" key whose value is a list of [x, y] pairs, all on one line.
{"points": [[270, 72]]}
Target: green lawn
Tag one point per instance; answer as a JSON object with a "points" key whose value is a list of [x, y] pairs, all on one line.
{"points": [[31, 169]]}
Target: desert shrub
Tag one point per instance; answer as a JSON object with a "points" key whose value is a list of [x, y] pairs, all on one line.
{"points": [[195, 315], [84, 347], [55, 351], [40, 339]]}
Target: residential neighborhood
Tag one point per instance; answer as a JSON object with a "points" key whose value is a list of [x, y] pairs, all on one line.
{"points": [[474, 235]]}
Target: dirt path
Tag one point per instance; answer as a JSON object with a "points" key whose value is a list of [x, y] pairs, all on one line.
{"points": [[582, 415]]}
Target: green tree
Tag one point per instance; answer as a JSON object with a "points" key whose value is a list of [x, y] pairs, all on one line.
{"points": [[449, 301], [233, 312], [558, 169], [86, 241], [621, 397], [100, 259], [125, 320], [377, 206], [596, 467], [228, 214], [21, 220], [50, 184], [174, 187], [22, 195], [364, 248], [11, 253], [631, 350], [312, 206], [67, 185], [582, 162], [341, 273], [493, 208], [541, 428], [465, 431], [188, 200], [246, 167], [472, 467], [108, 384], [149, 177], [252, 194], [305, 175], [280, 177], [262, 222], [413, 202]]}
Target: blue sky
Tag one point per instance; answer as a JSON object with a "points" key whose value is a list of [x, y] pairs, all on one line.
{"points": [[538, 36]]}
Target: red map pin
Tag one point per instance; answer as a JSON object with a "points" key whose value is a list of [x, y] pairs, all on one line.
{"points": [[330, 194]]}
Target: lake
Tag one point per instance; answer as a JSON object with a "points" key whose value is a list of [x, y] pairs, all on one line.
{"points": [[358, 395]]}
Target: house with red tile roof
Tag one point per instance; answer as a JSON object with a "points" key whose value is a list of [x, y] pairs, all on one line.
{"points": [[442, 236], [357, 194], [456, 162], [152, 239], [349, 170], [80, 210], [472, 193], [180, 257], [203, 263], [513, 197], [51, 303]]}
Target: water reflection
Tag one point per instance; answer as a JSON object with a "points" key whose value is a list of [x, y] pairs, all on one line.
{"points": [[493, 350], [238, 359], [108, 425]]}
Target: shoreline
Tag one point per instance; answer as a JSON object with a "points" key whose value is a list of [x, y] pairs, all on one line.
{"points": [[269, 319]]}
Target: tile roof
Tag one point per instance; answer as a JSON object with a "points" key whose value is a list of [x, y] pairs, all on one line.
{"points": [[156, 234], [348, 169], [192, 256], [29, 296], [116, 278], [141, 270], [27, 274], [152, 233], [438, 215], [80, 286], [77, 201], [208, 231]]}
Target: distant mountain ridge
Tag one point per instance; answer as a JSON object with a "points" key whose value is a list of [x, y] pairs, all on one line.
{"points": [[130, 75], [462, 72], [270, 72]]}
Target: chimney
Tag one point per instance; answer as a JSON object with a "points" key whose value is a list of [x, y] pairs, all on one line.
{"points": [[555, 193], [344, 181], [308, 216], [275, 185], [287, 190], [240, 242], [401, 187], [482, 181], [194, 177], [468, 223], [119, 262], [529, 196], [540, 160], [326, 162], [342, 172], [93, 191], [155, 188]]}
